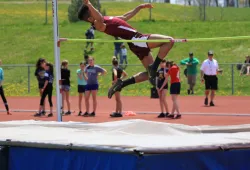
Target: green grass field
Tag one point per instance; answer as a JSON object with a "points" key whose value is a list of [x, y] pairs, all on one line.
{"points": [[24, 38]]}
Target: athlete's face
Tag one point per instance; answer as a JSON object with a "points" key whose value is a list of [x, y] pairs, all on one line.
{"points": [[91, 20]]}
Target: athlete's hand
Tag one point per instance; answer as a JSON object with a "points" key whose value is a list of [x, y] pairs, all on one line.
{"points": [[86, 2], [147, 5]]}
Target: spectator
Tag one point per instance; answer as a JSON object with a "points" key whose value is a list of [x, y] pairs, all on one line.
{"points": [[246, 66], [81, 80], [92, 71], [191, 64], [2, 91], [123, 57], [162, 87], [65, 76], [86, 57], [175, 88], [47, 89], [117, 48], [90, 34], [209, 69], [117, 73], [39, 73]]}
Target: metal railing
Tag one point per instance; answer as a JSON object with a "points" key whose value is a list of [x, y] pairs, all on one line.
{"points": [[21, 81]]}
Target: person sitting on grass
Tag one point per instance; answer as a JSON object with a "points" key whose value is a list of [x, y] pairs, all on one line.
{"points": [[162, 87], [82, 82], [47, 90], [175, 88], [92, 71], [117, 73], [117, 26], [246, 67], [65, 76], [39, 73], [2, 91]]}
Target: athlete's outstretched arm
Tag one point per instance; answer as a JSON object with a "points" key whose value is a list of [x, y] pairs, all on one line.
{"points": [[94, 12], [133, 12]]}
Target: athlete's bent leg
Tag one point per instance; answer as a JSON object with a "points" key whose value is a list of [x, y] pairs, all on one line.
{"points": [[139, 77], [165, 47]]}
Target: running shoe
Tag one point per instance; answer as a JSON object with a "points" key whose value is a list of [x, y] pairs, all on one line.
{"points": [[114, 88], [161, 115], [68, 113], [50, 115], [116, 114], [212, 103], [92, 114], [206, 101], [86, 114]]}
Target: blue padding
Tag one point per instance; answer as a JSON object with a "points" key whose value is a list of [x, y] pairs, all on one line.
{"points": [[52, 159], [212, 160]]}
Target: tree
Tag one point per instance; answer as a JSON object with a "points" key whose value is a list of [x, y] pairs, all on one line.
{"points": [[76, 4]]}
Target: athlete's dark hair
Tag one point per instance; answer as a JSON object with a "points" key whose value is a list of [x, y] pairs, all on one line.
{"points": [[39, 61], [115, 62], [51, 68], [83, 13]]}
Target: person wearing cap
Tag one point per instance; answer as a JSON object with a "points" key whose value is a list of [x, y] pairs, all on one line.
{"points": [[191, 64], [209, 70]]}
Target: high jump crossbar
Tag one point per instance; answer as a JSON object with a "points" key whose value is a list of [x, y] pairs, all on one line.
{"points": [[166, 40]]}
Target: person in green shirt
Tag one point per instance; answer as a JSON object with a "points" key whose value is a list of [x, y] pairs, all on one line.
{"points": [[191, 64]]}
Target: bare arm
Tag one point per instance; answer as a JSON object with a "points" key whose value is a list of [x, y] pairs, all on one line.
{"points": [[94, 12], [202, 76], [103, 72], [133, 12], [124, 74], [115, 74], [45, 84]]}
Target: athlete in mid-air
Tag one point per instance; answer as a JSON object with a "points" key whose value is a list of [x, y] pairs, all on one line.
{"points": [[117, 26]]}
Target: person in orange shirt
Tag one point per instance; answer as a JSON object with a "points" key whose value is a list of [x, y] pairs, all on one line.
{"points": [[175, 88]]}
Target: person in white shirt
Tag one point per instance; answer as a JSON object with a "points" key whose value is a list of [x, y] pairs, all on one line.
{"points": [[123, 57], [209, 70]]}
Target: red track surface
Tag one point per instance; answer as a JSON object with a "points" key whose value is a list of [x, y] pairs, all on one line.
{"points": [[189, 104]]}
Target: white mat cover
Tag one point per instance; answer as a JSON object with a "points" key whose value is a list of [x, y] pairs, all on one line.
{"points": [[124, 136]]}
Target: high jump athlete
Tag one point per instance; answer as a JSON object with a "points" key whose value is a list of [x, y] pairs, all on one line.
{"points": [[117, 26]]}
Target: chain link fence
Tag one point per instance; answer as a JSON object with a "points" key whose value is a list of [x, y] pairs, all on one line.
{"points": [[20, 81]]}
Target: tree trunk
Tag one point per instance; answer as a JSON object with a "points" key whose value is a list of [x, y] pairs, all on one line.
{"points": [[217, 3]]}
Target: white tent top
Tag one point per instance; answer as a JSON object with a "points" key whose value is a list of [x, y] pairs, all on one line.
{"points": [[123, 136]]}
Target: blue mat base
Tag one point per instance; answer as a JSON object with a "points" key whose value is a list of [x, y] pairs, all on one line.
{"points": [[21, 158]]}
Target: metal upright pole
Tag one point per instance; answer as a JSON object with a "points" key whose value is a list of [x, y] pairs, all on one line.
{"points": [[57, 59]]}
